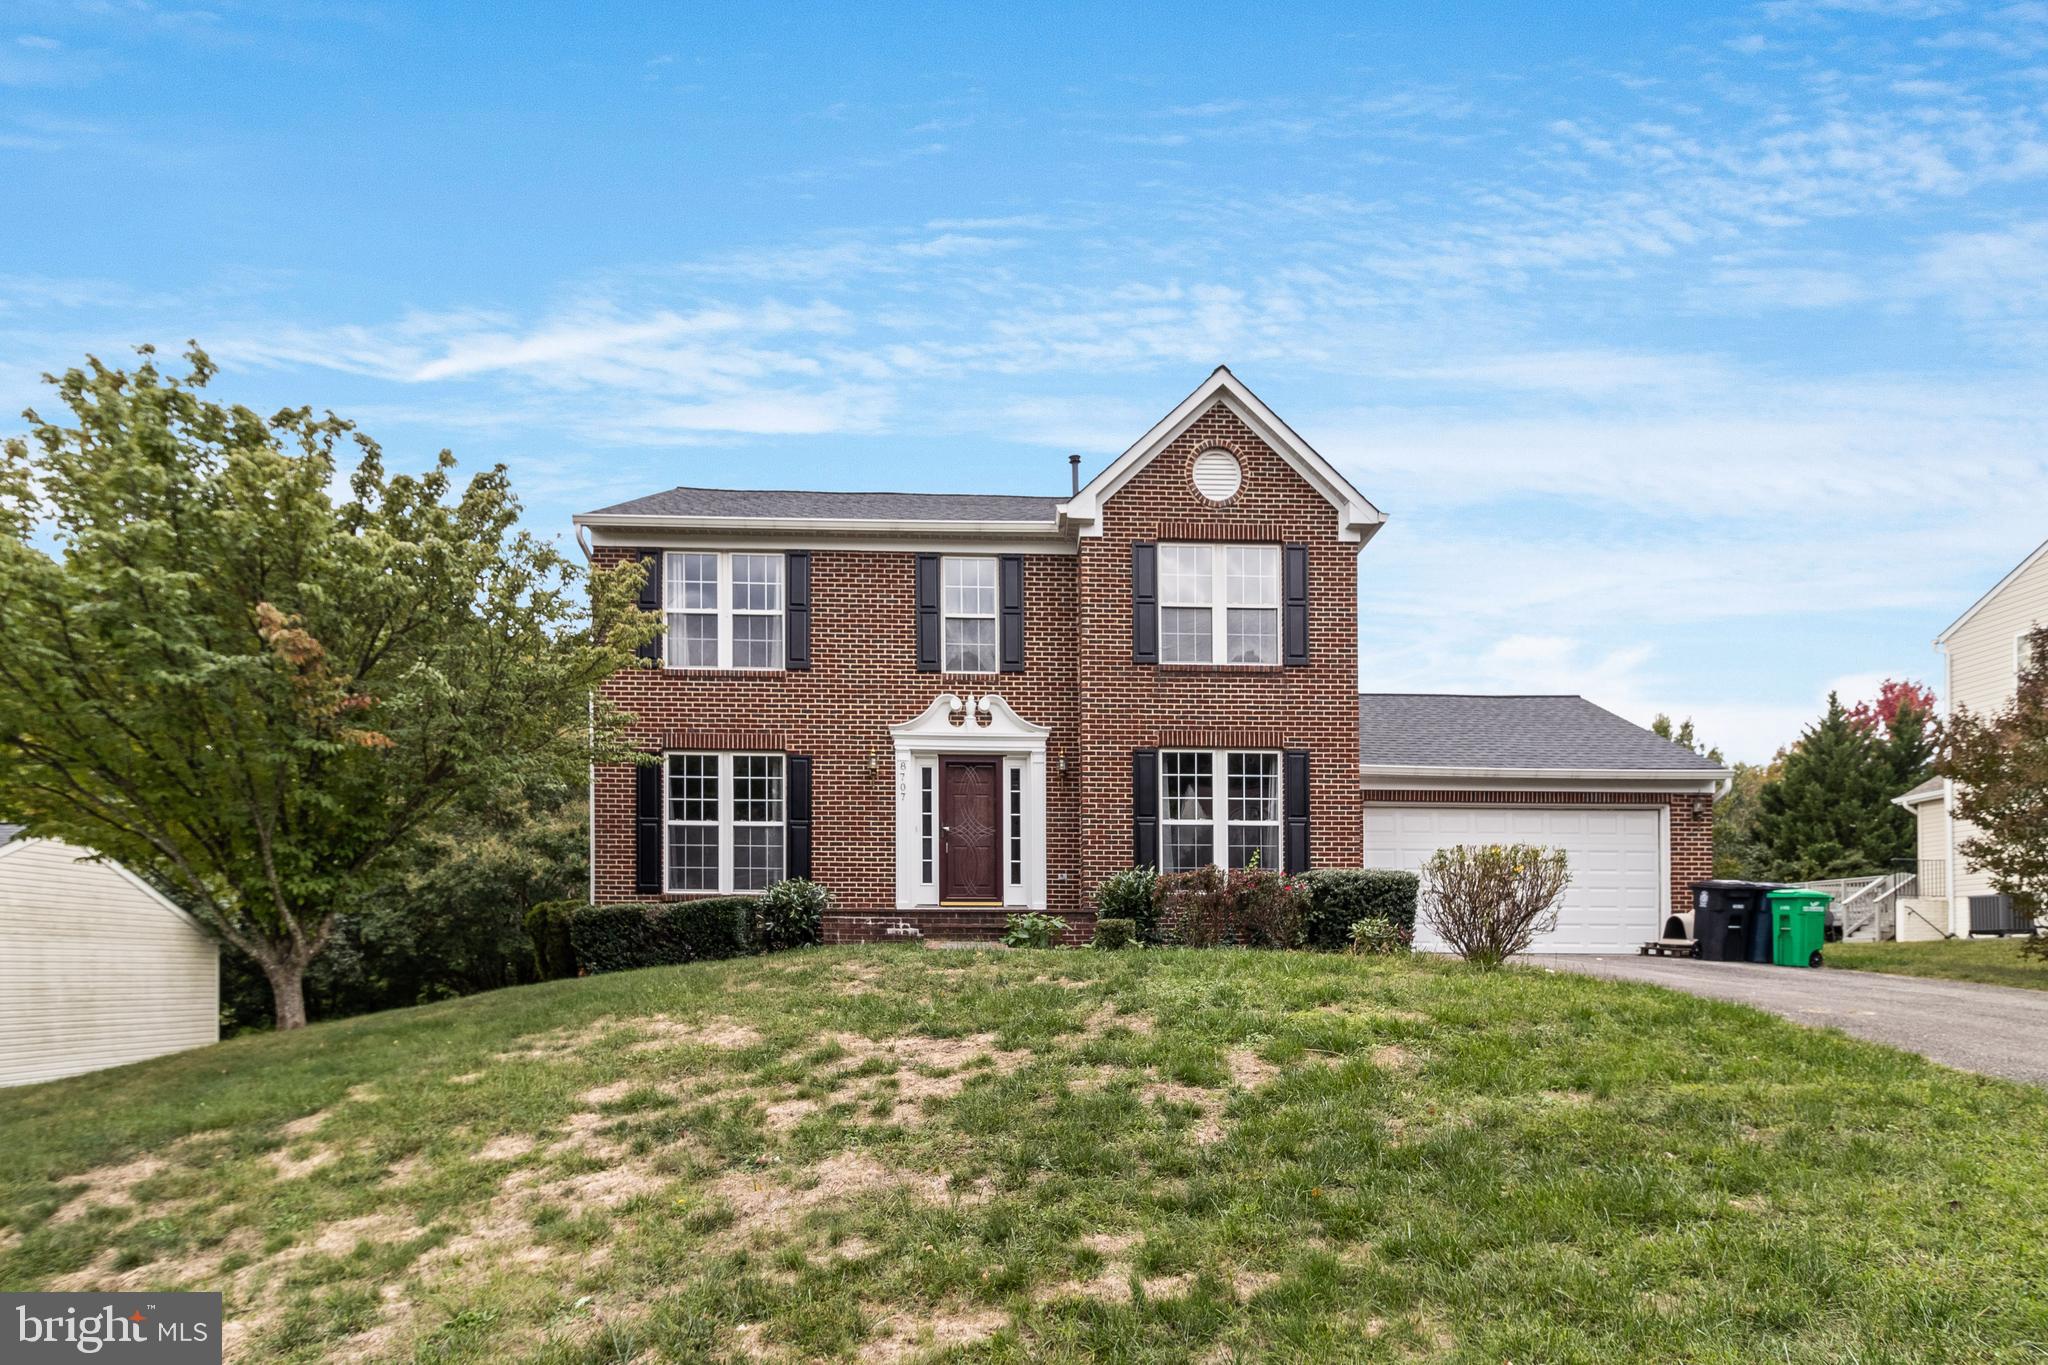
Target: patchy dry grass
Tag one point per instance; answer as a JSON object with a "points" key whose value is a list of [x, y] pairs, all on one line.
{"points": [[887, 1155]]}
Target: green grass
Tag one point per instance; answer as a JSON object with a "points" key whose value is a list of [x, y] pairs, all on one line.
{"points": [[1993, 961], [1071, 1156]]}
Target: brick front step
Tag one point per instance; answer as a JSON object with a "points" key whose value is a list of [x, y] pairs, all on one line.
{"points": [[975, 925]]}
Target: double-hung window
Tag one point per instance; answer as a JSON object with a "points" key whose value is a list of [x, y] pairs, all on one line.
{"points": [[967, 610], [725, 822], [1195, 826], [1219, 604], [724, 610]]}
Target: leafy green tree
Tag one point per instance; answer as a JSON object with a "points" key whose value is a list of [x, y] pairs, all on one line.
{"points": [[448, 915], [1735, 817], [1683, 735], [1999, 764], [1830, 813], [254, 690]]}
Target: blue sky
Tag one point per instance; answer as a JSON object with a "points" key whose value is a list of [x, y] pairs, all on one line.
{"points": [[1697, 352]]}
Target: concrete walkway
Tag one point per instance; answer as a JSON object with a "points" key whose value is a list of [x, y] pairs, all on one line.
{"points": [[1998, 1030]]}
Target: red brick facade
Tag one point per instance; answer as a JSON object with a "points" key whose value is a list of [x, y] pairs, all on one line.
{"points": [[1078, 679], [1692, 822]]}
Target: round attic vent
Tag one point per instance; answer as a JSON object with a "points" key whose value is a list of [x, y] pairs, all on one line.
{"points": [[1217, 476]]}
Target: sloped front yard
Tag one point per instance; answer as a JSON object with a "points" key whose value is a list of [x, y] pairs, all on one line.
{"points": [[884, 1153]]}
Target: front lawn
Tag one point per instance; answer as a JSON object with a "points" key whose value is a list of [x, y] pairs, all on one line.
{"points": [[1993, 961], [1073, 1156]]}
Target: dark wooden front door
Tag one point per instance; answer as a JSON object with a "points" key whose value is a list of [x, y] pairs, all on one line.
{"points": [[970, 817]]}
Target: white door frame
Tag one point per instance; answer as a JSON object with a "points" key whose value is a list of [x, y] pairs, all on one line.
{"points": [[983, 726]]}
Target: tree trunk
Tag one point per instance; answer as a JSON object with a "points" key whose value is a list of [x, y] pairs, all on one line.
{"points": [[287, 992]]}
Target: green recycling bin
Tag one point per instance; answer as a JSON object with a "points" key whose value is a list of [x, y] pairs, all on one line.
{"points": [[1799, 926]]}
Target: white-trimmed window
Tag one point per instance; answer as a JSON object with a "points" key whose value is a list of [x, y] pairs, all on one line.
{"points": [[2022, 652], [1016, 826], [967, 611], [724, 609], [1194, 825], [1219, 604], [725, 822]]}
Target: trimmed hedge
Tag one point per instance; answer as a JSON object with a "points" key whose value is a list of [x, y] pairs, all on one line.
{"points": [[1337, 898], [1129, 895], [1114, 933], [547, 924], [613, 938], [619, 938]]}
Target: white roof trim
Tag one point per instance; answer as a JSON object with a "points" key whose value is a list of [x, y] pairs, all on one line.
{"points": [[20, 841], [1912, 799], [1357, 518], [1672, 775], [1996, 588], [870, 525]]}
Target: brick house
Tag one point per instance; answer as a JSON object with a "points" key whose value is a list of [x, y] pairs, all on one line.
{"points": [[949, 707]]}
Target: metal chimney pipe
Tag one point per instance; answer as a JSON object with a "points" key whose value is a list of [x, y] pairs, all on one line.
{"points": [[1074, 468]]}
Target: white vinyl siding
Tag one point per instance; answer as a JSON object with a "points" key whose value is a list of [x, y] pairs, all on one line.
{"points": [[1982, 675], [95, 971], [723, 610]]}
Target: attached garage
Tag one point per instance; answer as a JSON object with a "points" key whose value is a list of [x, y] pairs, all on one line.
{"points": [[1633, 812]]}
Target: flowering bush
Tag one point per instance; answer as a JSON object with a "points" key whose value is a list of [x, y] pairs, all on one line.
{"points": [[1246, 907], [1490, 901]]}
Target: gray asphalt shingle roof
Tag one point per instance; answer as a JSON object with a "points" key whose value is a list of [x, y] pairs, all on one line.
{"points": [[1430, 730], [1927, 788], [772, 504], [8, 832]]}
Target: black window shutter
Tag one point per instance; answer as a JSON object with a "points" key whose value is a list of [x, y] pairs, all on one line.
{"points": [[1294, 799], [796, 611], [1144, 808], [1294, 612], [796, 832], [1144, 603], [648, 780], [650, 600], [1010, 578], [927, 613]]}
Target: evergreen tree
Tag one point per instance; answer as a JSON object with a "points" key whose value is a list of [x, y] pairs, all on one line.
{"points": [[1829, 811], [1830, 814]]}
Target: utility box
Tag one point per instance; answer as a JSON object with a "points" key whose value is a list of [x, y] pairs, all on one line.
{"points": [[1799, 927]]}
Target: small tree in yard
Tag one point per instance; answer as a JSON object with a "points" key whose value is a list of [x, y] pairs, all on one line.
{"points": [[253, 690], [1490, 901], [1999, 765]]}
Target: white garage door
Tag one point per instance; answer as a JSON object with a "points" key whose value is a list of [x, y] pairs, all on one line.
{"points": [[1617, 898]]}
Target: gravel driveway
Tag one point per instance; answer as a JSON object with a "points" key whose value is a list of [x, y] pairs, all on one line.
{"points": [[1998, 1030]]}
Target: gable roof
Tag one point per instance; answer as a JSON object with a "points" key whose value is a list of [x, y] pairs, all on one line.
{"points": [[1930, 790], [1996, 588], [1357, 519], [12, 841], [1554, 735], [772, 504]]}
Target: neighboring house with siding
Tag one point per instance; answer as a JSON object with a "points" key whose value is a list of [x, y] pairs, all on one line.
{"points": [[950, 707], [1982, 655], [97, 968]]}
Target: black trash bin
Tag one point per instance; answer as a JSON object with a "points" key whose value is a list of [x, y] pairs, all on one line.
{"points": [[1731, 920]]}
